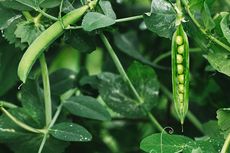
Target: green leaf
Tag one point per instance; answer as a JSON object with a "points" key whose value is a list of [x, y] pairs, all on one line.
{"points": [[94, 20], [31, 97], [223, 116], [7, 16], [207, 144], [28, 31], [216, 55], [118, 96], [162, 18], [200, 10], [211, 128], [128, 43], [207, 18], [13, 4], [219, 59], [107, 9], [9, 35], [224, 24], [167, 143], [70, 132], [86, 106], [9, 58], [31, 142], [81, 40], [62, 80], [49, 3]]}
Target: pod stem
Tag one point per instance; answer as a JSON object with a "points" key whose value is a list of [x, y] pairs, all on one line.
{"points": [[126, 79], [46, 86]]}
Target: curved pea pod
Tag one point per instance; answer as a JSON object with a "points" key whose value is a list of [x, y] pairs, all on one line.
{"points": [[43, 41], [180, 77]]}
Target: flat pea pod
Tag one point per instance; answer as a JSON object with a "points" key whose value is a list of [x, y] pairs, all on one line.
{"points": [[180, 72], [43, 41]]}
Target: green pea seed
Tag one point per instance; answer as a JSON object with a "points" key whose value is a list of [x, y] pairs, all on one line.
{"points": [[179, 40], [181, 98], [181, 88], [180, 49], [181, 78], [179, 58], [180, 69]]}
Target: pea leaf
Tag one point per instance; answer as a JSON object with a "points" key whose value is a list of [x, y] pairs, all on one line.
{"points": [[81, 40], [223, 116], [162, 18], [62, 80], [200, 10], [9, 58], [216, 55], [7, 16], [31, 143], [107, 9], [86, 106], [70, 132], [167, 143], [9, 35], [119, 97], [225, 23], [128, 44], [49, 3], [13, 4], [28, 31], [31, 97], [94, 20]]}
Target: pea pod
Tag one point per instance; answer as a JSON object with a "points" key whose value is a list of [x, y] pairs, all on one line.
{"points": [[180, 72], [43, 41]]}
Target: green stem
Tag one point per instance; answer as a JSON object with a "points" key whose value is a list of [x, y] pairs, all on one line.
{"points": [[126, 78], [19, 123], [56, 115], [192, 118], [167, 54], [129, 18], [195, 121], [226, 144], [7, 104], [46, 86], [42, 143], [47, 15], [204, 31], [27, 15]]}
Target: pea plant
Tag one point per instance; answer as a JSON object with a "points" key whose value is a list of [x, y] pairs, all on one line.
{"points": [[96, 76]]}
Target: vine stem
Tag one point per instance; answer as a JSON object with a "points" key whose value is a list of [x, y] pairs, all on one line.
{"points": [[126, 79], [204, 31], [192, 118], [129, 18], [226, 144], [21, 124], [46, 86], [56, 115], [167, 54], [7, 104]]}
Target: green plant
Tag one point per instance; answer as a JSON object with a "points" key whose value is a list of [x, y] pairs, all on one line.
{"points": [[88, 75]]}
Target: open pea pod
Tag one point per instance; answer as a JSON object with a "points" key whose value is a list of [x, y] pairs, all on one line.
{"points": [[180, 72], [42, 42]]}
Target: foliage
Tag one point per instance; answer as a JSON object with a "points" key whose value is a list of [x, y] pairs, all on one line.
{"points": [[104, 82]]}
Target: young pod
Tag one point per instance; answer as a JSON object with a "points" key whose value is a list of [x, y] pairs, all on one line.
{"points": [[43, 41], [180, 72]]}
